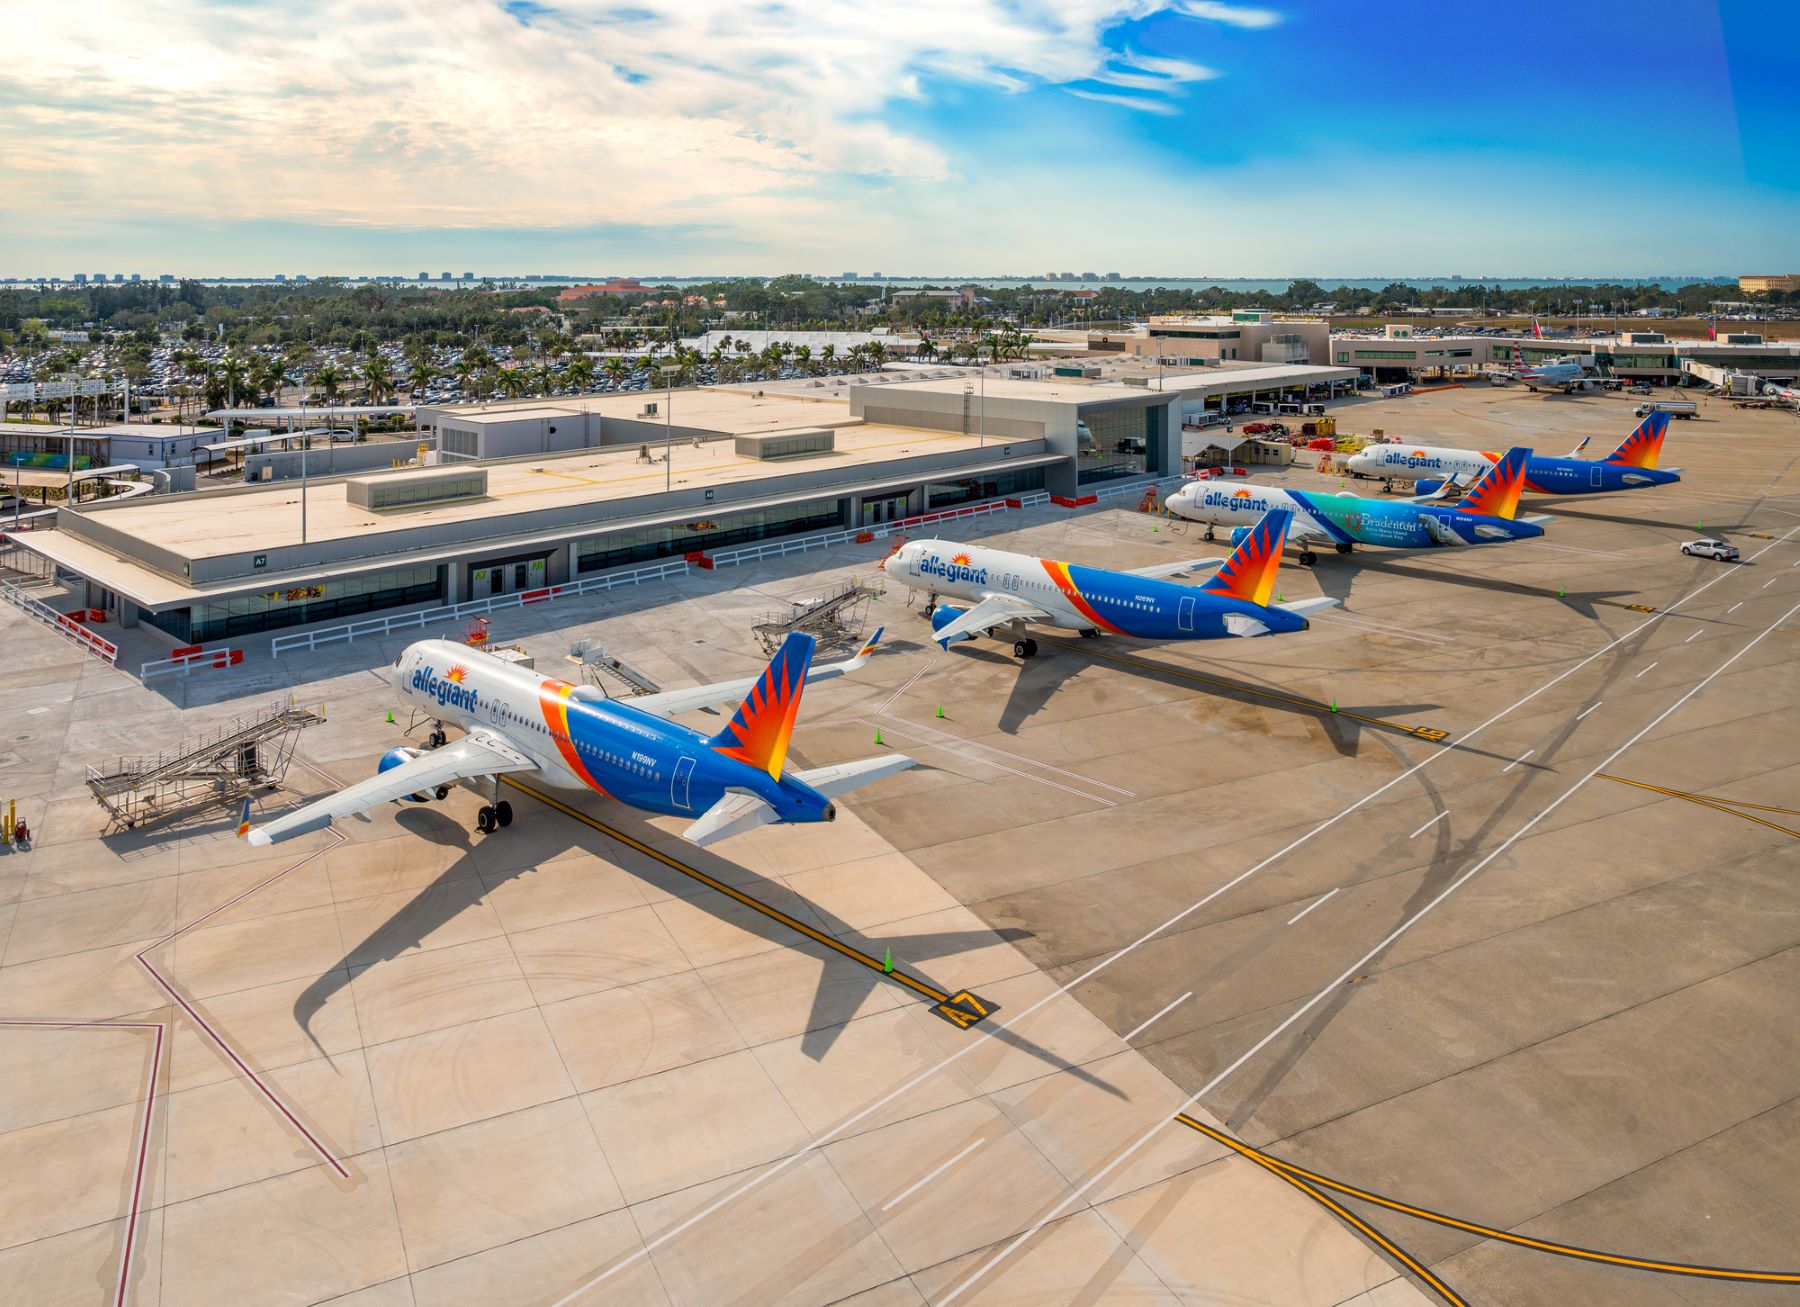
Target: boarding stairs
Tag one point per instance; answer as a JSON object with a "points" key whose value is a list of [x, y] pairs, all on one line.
{"points": [[610, 673], [835, 619], [249, 753]]}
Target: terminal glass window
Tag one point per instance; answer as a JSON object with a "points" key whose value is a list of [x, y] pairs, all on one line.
{"points": [[1114, 442], [1383, 354], [719, 531], [966, 490], [293, 605], [457, 442]]}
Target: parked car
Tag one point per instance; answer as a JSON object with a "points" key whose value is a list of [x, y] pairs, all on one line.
{"points": [[1255, 428], [1637, 390], [1710, 548]]}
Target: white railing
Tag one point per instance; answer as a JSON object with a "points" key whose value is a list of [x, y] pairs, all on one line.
{"points": [[379, 626], [1121, 488], [62, 623], [185, 663], [862, 535]]}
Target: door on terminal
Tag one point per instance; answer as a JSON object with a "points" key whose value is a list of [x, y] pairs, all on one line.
{"points": [[889, 509], [483, 582]]}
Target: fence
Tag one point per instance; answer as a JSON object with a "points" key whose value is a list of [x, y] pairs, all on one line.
{"points": [[63, 624], [379, 626], [382, 626], [187, 662]]}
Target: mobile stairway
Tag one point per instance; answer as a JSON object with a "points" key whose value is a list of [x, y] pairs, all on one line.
{"points": [[835, 619], [247, 754]]}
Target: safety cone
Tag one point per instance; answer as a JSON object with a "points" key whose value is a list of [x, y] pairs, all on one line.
{"points": [[1334, 705], [887, 963], [940, 712], [390, 720], [878, 735], [1561, 593]]}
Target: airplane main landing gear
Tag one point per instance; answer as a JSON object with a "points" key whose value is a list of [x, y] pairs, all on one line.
{"points": [[1308, 558], [1090, 633], [492, 817], [1343, 546], [1025, 648]]}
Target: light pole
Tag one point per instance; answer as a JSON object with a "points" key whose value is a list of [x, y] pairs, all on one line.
{"points": [[669, 370], [305, 440]]}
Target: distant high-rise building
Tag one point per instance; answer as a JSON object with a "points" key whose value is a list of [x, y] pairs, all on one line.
{"points": [[1090, 276], [281, 276], [874, 276], [444, 276], [118, 276], [468, 276], [135, 277], [81, 279], [1113, 276], [848, 276], [424, 276], [166, 278], [301, 279], [99, 276]]}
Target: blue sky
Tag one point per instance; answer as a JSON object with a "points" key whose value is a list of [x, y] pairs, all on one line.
{"points": [[1174, 137]]}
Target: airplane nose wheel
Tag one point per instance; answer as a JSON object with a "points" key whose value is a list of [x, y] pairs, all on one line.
{"points": [[1209, 535], [1025, 649]]}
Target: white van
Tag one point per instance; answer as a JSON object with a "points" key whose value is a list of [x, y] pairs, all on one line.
{"points": [[1403, 388]]}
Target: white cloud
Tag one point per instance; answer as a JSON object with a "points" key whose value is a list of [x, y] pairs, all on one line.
{"points": [[459, 113], [1235, 15]]}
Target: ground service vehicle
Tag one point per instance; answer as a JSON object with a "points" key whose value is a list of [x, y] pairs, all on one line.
{"points": [[1710, 548]]}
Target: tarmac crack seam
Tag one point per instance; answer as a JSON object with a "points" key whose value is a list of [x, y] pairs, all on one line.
{"points": [[143, 1152], [1357, 966], [984, 1032]]}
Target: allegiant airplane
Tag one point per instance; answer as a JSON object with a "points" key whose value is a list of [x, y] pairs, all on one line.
{"points": [[1629, 467], [575, 738], [1484, 515], [1010, 591]]}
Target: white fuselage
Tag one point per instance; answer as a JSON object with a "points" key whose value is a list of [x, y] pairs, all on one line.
{"points": [[490, 694], [971, 573], [1419, 463]]}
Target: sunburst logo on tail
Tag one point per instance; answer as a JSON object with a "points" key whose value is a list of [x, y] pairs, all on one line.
{"points": [[1249, 574], [760, 729]]}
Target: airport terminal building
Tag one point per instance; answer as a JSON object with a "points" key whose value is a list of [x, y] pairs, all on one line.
{"points": [[541, 492]]}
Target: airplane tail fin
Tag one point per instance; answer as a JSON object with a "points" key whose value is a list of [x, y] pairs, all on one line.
{"points": [[1644, 445], [1496, 494], [243, 829], [1576, 452], [759, 731], [1249, 574]]}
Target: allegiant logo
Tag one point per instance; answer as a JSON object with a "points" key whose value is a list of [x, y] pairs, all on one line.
{"points": [[1235, 499], [953, 571], [1412, 460], [447, 692]]}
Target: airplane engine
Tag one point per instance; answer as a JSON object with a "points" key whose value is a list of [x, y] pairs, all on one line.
{"points": [[943, 615], [394, 758], [1239, 534]]}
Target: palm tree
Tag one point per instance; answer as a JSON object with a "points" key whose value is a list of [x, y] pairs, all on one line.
{"points": [[803, 359], [232, 374], [327, 379], [375, 376], [877, 352], [464, 369], [512, 382], [420, 377], [616, 368], [828, 357], [580, 374]]}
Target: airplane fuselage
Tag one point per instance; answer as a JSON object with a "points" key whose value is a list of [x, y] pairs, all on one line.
{"points": [[1544, 475], [1341, 520], [578, 742], [1077, 598]]}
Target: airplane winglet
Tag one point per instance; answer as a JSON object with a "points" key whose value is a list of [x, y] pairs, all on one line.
{"points": [[243, 830]]}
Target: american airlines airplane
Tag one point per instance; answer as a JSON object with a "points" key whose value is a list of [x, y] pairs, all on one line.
{"points": [[1629, 467], [1790, 393], [1007, 592], [573, 737], [1565, 374]]}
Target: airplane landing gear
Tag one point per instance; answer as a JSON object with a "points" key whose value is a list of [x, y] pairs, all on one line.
{"points": [[1025, 648], [1208, 537], [437, 739], [1344, 546], [1308, 558], [1090, 633]]}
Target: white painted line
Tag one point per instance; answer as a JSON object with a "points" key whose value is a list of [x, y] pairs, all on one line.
{"points": [[983, 1033], [1516, 761], [1695, 636], [1019, 757], [1165, 1012], [1428, 825], [988, 762], [930, 1176], [1650, 668], [1585, 711], [1729, 611], [1315, 903], [1377, 628], [1354, 968], [1771, 581], [894, 698]]}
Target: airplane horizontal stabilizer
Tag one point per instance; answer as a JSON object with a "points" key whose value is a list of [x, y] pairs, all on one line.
{"points": [[1307, 607], [734, 814], [1166, 570], [741, 811], [1242, 624], [843, 777]]}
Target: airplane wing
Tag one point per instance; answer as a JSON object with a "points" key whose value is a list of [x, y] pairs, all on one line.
{"points": [[740, 811], [1192, 565], [480, 753], [995, 610], [670, 702]]}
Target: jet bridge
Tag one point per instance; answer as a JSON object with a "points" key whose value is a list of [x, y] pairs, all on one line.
{"points": [[247, 754]]}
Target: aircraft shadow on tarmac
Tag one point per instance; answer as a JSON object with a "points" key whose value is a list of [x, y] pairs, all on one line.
{"points": [[1039, 678], [1564, 510], [843, 984], [1337, 576]]}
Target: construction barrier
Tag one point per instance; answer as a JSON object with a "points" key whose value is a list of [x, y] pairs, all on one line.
{"points": [[62, 623], [698, 558], [1075, 501]]}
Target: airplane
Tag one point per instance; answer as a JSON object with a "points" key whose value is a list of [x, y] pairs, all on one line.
{"points": [[1484, 515], [1629, 467], [573, 737], [1565, 374], [1790, 393], [1010, 591]]}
